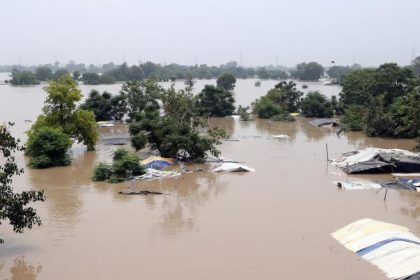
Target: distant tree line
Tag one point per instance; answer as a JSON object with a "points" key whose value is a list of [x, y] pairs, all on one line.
{"points": [[110, 73]]}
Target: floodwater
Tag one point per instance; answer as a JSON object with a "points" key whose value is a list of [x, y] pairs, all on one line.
{"points": [[274, 223]]}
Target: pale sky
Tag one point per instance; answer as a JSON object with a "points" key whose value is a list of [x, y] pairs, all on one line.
{"points": [[211, 32]]}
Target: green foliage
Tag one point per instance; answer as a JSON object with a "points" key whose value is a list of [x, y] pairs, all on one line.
{"points": [[91, 79], [281, 99], [13, 206], [23, 78], [389, 97], [243, 113], [265, 108], [43, 73], [311, 71], [139, 95], [96, 79], [175, 133], [226, 81], [48, 147], [125, 164], [216, 102], [77, 75], [283, 117], [105, 106], [315, 104], [60, 112], [102, 172], [354, 118]]}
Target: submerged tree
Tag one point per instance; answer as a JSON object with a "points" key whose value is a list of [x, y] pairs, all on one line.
{"points": [[216, 102], [316, 104], [105, 106], [13, 206], [178, 133], [60, 111], [226, 81]]}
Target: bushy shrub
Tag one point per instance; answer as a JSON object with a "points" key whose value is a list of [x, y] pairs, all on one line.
{"points": [[101, 172], [243, 113], [125, 164], [317, 105], [48, 147], [354, 118], [283, 117], [265, 108]]}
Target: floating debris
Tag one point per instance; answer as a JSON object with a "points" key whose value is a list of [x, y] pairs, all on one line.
{"points": [[357, 185], [392, 248], [131, 192], [233, 167], [281, 136], [157, 174]]}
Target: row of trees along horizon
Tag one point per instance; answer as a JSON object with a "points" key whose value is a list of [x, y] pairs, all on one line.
{"points": [[111, 73], [383, 101]]}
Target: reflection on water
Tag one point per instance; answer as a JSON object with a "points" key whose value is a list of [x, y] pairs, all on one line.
{"points": [[21, 270], [63, 187]]}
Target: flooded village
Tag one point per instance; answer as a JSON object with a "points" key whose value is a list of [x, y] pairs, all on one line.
{"points": [[153, 171]]}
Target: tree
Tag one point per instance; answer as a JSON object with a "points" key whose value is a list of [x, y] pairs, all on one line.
{"points": [[76, 75], [315, 104], [23, 78], [357, 87], [226, 81], [125, 164], [91, 79], [216, 102], [311, 71], [265, 108], [140, 94], [60, 111], [243, 113], [105, 106], [43, 73], [178, 133], [354, 118], [13, 206], [287, 94], [48, 147], [106, 79], [389, 96], [283, 99]]}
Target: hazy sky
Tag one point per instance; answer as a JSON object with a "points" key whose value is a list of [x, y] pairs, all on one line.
{"points": [[369, 32]]}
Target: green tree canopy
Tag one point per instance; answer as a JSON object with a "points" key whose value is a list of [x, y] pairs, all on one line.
{"points": [[13, 206], [105, 106], [43, 73], [48, 147], [226, 81], [23, 78], [176, 133], [60, 111], [315, 104], [216, 101], [311, 71]]}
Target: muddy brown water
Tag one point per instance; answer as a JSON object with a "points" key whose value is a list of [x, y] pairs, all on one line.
{"points": [[274, 223]]}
